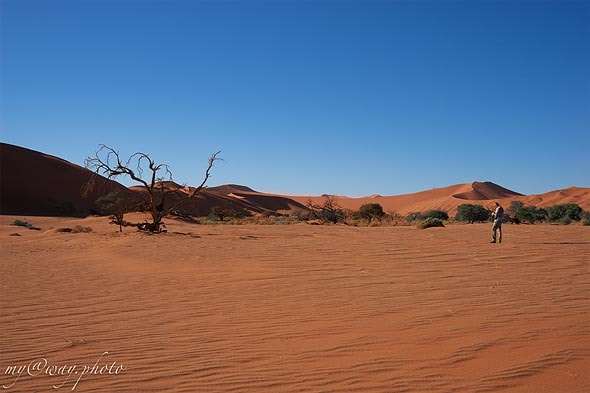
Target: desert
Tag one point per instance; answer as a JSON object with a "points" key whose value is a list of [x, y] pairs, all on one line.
{"points": [[286, 308], [294, 196], [271, 303]]}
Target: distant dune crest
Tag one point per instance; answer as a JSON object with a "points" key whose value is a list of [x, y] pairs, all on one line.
{"points": [[486, 191], [34, 183]]}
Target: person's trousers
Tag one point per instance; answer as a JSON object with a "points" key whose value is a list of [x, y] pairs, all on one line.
{"points": [[497, 228]]}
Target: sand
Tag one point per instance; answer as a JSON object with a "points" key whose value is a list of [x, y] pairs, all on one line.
{"points": [[295, 308]]}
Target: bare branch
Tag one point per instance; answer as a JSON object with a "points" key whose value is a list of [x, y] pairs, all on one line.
{"points": [[214, 157]]}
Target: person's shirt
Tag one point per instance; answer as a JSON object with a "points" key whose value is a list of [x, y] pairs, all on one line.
{"points": [[499, 213]]}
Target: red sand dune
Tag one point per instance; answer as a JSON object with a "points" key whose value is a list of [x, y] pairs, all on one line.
{"points": [[239, 198], [449, 198]]}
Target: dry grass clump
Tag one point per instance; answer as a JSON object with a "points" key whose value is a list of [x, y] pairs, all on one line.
{"points": [[24, 224], [76, 229]]}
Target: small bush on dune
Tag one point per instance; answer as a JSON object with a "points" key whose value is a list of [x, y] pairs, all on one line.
{"points": [[20, 223], [414, 216], [430, 222], [24, 224], [81, 229]]}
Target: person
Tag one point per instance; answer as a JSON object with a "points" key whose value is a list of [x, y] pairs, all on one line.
{"points": [[498, 215]]}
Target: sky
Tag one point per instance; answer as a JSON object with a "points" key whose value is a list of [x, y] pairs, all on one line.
{"points": [[351, 97]]}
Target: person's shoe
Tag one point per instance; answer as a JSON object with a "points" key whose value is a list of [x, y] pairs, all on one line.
{"points": [[493, 241]]}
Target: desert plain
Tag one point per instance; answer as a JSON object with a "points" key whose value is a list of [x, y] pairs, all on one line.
{"points": [[293, 308]]}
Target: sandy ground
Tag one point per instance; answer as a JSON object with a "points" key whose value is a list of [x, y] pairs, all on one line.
{"points": [[296, 308]]}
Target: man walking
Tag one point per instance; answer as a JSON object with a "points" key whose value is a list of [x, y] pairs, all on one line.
{"points": [[498, 215]]}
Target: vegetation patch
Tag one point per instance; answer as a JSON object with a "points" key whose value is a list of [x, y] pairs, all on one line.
{"points": [[81, 229], [430, 222], [24, 224], [472, 213]]}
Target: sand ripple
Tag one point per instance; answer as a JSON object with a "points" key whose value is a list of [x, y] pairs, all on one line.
{"points": [[300, 308]]}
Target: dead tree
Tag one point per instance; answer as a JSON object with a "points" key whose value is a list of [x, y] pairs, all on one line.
{"points": [[329, 211], [108, 162]]}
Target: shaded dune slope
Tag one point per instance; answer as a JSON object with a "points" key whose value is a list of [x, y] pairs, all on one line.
{"points": [[241, 199], [486, 191], [33, 183]]}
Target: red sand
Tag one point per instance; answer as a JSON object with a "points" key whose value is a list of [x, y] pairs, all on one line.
{"points": [[297, 308]]}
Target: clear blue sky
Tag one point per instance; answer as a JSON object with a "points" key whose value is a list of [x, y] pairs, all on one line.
{"points": [[308, 97]]}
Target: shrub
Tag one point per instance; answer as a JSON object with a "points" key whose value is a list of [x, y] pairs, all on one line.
{"points": [[414, 216], [20, 223], [515, 206], [560, 212], [329, 211], [371, 210], [430, 222], [24, 224], [81, 229], [472, 213], [440, 214], [300, 215], [531, 214], [222, 213]]}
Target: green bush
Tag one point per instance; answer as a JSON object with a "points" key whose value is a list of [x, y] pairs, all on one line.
{"points": [[20, 223], [472, 213], [515, 206], [440, 214], [570, 211], [531, 214], [24, 224], [222, 213], [371, 210], [414, 216], [430, 222], [564, 213]]}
